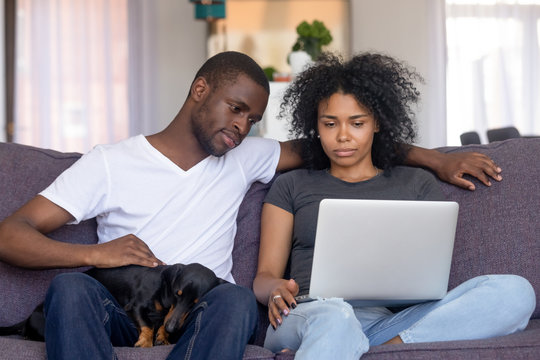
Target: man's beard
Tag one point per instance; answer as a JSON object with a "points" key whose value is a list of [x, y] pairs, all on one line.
{"points": [[202, 135]]}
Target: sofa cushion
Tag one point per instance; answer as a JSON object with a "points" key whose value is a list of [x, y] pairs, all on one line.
{"points": [[18, 349], [25, 171], [498, 228], [520, 346], [246, 248]]}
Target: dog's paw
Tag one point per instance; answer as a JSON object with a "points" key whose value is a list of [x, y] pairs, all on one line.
{"points": [[162, 337], [161, 342], [145, 338], [144, 344]]}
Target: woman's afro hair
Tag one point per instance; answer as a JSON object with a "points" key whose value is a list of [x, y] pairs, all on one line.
{"points": [[382, 84]]}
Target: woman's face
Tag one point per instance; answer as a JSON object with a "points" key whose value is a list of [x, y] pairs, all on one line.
{"points": [[346, 130]]}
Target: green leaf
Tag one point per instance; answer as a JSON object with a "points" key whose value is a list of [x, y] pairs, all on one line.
{"points": [[304, 29], [311, 37]]}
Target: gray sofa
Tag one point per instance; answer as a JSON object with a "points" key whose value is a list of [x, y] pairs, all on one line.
{"points": [[498, 232]]}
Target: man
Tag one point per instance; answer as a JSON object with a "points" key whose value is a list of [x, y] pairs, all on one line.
{"points": [[167, 198]]}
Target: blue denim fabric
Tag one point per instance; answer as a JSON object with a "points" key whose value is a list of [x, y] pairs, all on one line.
{"points": [[482, 307], [321, 329], [83, 321]]}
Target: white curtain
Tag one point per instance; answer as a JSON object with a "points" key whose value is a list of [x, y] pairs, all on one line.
{"points": [[434, 98], [71, 73], [493, 70]]}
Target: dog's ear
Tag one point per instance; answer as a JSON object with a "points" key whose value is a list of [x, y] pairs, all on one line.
{"points": [[166, 297], [165, 290]]}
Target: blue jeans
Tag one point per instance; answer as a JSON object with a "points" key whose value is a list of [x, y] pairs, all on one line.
{"points": [[483, 307], [84, 321]]}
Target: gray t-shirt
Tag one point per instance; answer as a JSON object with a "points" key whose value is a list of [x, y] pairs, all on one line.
{"points": [[300, 192]]}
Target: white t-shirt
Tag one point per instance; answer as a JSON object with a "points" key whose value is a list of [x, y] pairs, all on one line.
{"points": [[183, 216]]}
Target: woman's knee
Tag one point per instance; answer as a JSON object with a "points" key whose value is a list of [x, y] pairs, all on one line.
{"points": [[332, 321], [335, 316], [509, 299], [516, 293]]}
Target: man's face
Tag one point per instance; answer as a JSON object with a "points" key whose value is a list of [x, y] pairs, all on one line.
{"points": [[226, 115]]}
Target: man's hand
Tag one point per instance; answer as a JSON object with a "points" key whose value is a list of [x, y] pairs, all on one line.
{"points": [[23, 243], [452, 167], [126, 250]]}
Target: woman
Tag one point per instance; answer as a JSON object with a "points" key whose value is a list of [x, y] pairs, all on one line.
{"points": [[354, 115]]}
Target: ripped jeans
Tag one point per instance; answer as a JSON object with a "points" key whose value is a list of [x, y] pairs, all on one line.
{"points": [[84, 321], [482, 307]]}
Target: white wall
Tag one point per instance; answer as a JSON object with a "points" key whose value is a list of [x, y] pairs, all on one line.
{"points": [[166, 48], [181, 50], [181, 47], [412, 30]]}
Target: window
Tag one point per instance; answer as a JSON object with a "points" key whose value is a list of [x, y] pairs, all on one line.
{"points": [[493, 70], [71, 73]]}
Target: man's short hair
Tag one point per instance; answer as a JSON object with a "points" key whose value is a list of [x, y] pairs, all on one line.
{"points": [[225, 67]]}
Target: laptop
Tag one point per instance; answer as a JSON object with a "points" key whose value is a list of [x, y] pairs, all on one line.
{"points": [[383, 252]]}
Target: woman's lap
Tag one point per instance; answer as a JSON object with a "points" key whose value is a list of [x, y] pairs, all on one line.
{"points": [[479, 299]]}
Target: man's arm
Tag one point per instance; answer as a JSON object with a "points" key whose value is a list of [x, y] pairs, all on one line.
{"points": [[290, 156], [23, 243], [448, 167], [452, 167]]}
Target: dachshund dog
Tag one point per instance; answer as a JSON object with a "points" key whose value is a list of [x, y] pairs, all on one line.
{"points": [[158, 299]]}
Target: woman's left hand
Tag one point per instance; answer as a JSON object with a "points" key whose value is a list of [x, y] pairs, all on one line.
{"points": [[281, 300]]}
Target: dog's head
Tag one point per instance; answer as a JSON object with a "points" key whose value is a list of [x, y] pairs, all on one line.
{"points": [[182, 288]]}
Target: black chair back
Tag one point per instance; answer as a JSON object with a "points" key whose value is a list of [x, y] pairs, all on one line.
{"points": [[470, 137], [501, 134]]}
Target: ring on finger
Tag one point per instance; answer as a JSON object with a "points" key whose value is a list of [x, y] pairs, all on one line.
{"points": [[275, 297]]}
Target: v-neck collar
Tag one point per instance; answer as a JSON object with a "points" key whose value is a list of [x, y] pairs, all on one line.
{"points": [[164, 159]]}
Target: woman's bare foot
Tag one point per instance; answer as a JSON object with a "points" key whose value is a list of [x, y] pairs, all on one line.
{"points": [[395, 340]]}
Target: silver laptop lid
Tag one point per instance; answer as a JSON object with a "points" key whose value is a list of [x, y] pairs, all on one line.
{"points": [[383, 252]]}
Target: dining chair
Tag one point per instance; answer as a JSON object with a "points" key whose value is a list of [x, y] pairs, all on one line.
{"points": [[501, 134], [470, 137]]}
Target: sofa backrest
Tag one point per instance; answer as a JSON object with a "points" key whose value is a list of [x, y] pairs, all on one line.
{"points": [[498, 228], [25, 171], [246, 247]]}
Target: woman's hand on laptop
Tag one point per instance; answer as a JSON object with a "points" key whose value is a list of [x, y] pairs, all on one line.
{"points": [[281, 300]]}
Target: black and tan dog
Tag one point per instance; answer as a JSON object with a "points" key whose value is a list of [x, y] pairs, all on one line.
{"points": [[157, 299]]}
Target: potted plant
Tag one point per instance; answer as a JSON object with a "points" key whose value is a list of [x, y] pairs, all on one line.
{"points": [[311, 38]]}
